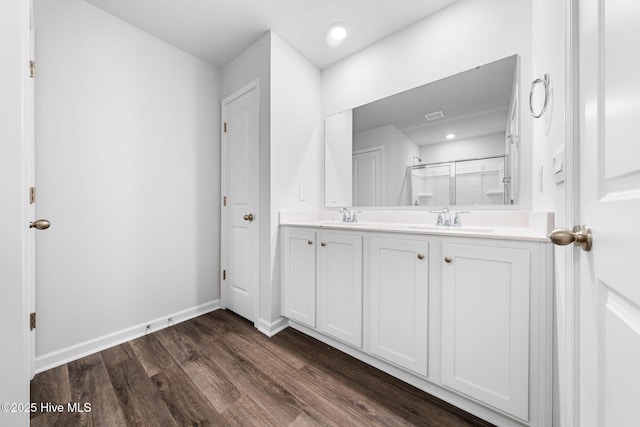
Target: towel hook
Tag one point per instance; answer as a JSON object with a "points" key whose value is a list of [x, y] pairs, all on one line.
{"points": [[545, 82]]}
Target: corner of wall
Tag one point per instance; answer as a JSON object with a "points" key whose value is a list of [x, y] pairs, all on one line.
{"points": [[296, 146]]}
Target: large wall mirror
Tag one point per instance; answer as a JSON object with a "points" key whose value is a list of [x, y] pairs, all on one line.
{"points": [[450, 142]]}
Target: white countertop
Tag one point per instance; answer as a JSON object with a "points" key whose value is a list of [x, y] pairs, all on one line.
{"points": [[510, 225]]}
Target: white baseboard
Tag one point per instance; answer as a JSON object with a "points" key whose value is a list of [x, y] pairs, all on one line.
{"points": [[272, 328], [77, 351]]}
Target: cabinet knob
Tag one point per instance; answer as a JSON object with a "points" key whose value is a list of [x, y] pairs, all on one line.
{"points": [[310, 242], [448, 259], [323, 244], [420, 256]]}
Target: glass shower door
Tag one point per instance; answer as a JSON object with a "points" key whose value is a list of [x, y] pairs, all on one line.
{"points": [[432, 185], [480, 182]]}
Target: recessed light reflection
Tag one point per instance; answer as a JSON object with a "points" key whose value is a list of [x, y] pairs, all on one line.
{"points": [[450, 136]]}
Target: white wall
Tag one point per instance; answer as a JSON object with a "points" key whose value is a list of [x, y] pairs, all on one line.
{"points": [[13, 315], [398, 154], [291, 147], [127, 160], [467, 34], [464, 149], [251, 64], [296, 143], [338, 163], [550, 132]]}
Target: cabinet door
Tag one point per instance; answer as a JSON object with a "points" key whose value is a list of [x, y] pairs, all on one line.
{"points": [[485, 324], [340, 286], [299, 275], [399, 301]]}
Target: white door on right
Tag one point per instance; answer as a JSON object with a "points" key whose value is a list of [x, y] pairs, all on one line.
{"points": [[609, 322]]}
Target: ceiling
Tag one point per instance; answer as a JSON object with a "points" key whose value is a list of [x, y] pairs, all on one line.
{"points": [[217, 31], [474, 103]]}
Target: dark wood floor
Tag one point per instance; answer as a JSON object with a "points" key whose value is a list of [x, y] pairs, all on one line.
{"points": [[219, 370]]}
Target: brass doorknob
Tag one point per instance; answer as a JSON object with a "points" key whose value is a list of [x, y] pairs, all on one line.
{"points": [[40, 224], [248, 217], [579, 236]]}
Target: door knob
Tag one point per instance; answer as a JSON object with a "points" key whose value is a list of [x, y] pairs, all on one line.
{"points": [[579, 236], [40, 224], [248, 217]]}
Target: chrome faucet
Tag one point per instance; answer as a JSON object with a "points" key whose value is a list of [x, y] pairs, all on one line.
{"points": [[348, 216], [444, 218], [457, 221]]}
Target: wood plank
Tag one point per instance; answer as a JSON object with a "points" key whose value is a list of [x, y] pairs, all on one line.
{"points": [[152, 354], [114, 355], [304, 420], [327, 398], [90, 383], [266, 391], [138, 396], [247, 333], [212, 382], [246, 412], [51, 386], [183, 399]]}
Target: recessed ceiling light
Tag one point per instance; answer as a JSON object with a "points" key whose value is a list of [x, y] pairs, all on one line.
{"points": [[450, 136], [336, 33]]}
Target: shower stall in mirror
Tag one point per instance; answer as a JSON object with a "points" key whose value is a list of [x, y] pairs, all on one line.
{"points": [[467, 182], [451, 142]]}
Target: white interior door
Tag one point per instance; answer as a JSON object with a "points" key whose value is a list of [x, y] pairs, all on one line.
{"points": [[240, 218], [367, 178], [609, 322]]}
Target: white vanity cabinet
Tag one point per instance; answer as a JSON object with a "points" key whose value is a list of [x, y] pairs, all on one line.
{"points": [[299, 275], [322, 281], [465, 318], [399, 300], [486, 323], [340, 286]]}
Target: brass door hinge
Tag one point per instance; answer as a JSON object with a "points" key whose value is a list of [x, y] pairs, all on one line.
{"points": [[225, 127], [32, 321], [32, 195], [32, 68], [224, 274], [224, 201]]}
